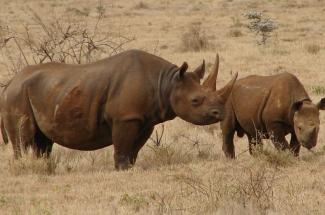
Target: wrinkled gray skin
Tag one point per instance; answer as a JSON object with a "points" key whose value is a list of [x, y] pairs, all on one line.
{"points": [[271, 107]]}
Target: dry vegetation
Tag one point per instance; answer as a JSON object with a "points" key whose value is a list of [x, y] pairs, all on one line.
{"points": [[184, 170]]}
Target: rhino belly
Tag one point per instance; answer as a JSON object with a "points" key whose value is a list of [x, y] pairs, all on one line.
{"points": [[249, 104], [75, 131], [79, 137]]}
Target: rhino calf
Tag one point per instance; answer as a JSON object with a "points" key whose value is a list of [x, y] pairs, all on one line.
{"points": [[271, 107], [115, 101]]}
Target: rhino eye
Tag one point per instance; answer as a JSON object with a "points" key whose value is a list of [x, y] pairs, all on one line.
{"points": [[196, 101]]}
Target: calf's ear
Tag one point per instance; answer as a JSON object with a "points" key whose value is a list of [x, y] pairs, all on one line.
{"points": [[224, 92], [181, 71], [321, 104], [296, 106], [200, 70]]}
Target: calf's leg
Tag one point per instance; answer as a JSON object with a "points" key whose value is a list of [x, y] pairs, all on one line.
{"points": [[294, 145], [228, 131]]}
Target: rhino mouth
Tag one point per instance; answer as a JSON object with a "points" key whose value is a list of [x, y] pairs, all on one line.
{"points": [[208, 119], [308, 145]]}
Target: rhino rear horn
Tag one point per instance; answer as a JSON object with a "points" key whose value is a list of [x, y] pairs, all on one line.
{"points": [[224, 92], [210, 82], [182, 70], [200, 70]]}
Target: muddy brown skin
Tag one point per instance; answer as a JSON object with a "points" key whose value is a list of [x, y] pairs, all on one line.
{"points": [[116, 101], [271, 107]]}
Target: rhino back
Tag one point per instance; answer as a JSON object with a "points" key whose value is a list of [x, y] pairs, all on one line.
{"points": [[259, 99], [68, 101]]}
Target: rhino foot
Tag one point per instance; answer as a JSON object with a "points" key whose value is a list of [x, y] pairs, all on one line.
{"points": [[122, 163]]}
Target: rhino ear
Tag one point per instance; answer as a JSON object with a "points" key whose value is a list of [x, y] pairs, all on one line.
{"points": [[200, 70], [182, 70], [321, 104], [296, 106], [224, 92], [210, 82]]}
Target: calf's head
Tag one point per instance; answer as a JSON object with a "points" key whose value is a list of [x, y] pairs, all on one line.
{"points": [[196, 103], [306, 121]]}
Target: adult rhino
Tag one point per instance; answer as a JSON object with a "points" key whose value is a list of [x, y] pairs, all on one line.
{"points": [[271, 106], [116, 101]]}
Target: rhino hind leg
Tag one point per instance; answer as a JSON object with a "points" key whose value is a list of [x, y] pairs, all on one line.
{"points": [[20, 130], [42, 145]]}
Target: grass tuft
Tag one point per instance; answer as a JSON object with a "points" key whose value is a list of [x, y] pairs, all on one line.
{"points": [[195, 39], [312, 48]]}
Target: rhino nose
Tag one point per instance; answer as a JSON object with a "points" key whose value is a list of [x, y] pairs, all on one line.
{"points": [[215, 113]]}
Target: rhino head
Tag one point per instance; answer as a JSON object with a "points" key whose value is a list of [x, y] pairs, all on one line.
{"points": [[306, 121], [200, 104]]}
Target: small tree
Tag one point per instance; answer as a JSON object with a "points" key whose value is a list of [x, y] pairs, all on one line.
{"points": [[260, 25]]}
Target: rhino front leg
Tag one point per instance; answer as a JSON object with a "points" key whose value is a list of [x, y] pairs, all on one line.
{"points": [[294, 145], [145, 134], [228, 130], [228, 144], [277, 134], [124, 134]]}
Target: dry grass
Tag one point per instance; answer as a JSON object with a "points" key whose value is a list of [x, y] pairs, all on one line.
{"points": [[141, 5], [313, 48], [187, 173], [195, 39], [235, 33]]}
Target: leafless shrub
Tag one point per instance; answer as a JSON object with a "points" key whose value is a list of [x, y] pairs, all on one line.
{"points": [[166, 154], [156, 139], [195, 39], [136, 202], [164, 203], [57, 41], [164, 151], [254, 188]]}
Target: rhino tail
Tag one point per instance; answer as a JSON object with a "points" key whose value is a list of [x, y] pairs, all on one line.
{"points": [[3, 132]]}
